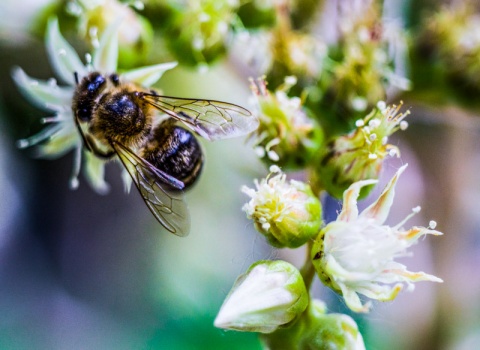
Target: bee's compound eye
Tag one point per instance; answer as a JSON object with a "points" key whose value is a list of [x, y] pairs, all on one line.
{"points": [[115, 79], [95, 83], [84, 114]]}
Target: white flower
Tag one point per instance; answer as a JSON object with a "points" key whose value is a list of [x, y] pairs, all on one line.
{"points": [[268, 295], [61, 134], [287, 213], [356, 253]]}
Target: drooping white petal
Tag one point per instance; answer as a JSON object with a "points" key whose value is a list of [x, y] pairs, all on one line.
{"points": [[149, 75], [105, 56], [353, 300], [46, 95], [94, 171], [127, 180], [63, 57], [379, 209]]}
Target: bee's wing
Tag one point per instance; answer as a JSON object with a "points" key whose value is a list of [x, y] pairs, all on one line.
{"points": [[161, 192], [212, 120]]}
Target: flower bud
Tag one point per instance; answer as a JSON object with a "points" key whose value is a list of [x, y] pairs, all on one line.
{"points": [[360, 154], [287, 136], [287, 213], [271, 294], [135, 34], [197, 31], [355, 254], [317, 330]]}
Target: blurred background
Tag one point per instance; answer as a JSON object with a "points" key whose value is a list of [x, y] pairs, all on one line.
{"points": [[79, 270]]}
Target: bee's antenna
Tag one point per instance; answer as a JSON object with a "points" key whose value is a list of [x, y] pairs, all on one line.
{"points": [[75, 75]]}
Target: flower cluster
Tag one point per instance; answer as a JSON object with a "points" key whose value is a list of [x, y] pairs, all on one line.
{"points": [[61, 134], [314, 119]]}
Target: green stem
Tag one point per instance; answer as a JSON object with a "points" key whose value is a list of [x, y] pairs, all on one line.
{"points": [[308, 270]]}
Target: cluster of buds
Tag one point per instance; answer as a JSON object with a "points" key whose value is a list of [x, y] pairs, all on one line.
{"points": [[359, 155], [287, 136], [271, 298], [135, 34]]}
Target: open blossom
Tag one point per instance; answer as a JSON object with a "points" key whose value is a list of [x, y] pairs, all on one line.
{"points": [[61, 135], [287, 213], [356, 253]]}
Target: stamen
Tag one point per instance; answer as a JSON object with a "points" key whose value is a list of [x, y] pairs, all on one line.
{"points": [[77, 161]]}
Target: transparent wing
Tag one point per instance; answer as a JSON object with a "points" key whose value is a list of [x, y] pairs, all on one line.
{"points": [[212, 120], [161, 192]]}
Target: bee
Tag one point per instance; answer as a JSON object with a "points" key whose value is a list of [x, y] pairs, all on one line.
{"points": [[153, 136]]}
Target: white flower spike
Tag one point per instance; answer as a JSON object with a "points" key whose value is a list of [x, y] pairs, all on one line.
{"points": [[61, 134], [356, 253]]}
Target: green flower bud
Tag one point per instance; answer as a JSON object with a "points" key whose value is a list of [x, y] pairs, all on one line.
{"points": [[198, 30], [287, 136], [296, 53], [360, 154], [317, 330], [288, 214], [271, 294], [135, 34]]}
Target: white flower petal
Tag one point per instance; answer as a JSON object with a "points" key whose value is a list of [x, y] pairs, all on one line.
{"points": [[39, 137], [61, 142], [127, 179], [63, 57], [149, 75], [353, 300], [105, 57], [379, 209], [350, 210], [46, 95], [94, 171]]}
